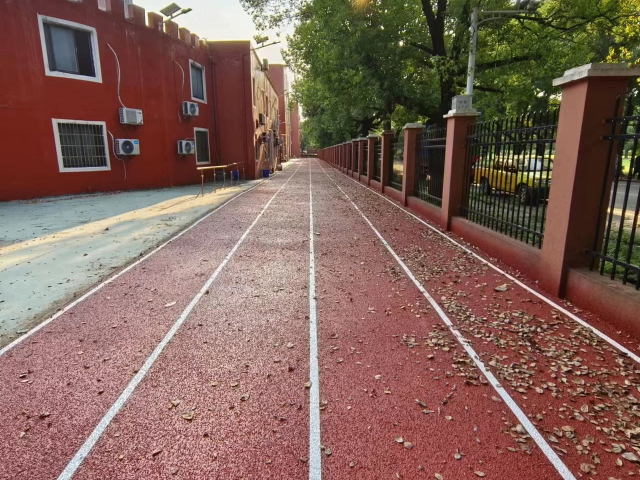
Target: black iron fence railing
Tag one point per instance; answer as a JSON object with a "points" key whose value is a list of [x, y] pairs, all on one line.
{"points": [[365, 158], [377, 159], [396, 165], [429, 174], [616, 246], [356, 152], [508, 173]]}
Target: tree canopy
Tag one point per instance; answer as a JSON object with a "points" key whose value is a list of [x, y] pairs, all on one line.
{"points": [[362, 65]]}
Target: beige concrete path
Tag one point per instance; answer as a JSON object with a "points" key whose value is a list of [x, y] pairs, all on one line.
{"points": [[53, 249]]}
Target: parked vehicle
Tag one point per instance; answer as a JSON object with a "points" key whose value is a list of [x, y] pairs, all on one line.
{"points": [[528, 178]]}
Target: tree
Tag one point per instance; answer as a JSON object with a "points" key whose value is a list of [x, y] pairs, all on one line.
{"points": [[362, 63]]}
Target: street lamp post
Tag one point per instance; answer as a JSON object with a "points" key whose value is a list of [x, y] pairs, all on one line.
{"points": [[473, 45]]}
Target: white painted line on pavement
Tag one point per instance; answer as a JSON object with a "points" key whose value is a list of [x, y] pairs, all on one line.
{"points": [[560, 308], [93, 438], [315, 458], [520, 415], [117, 275]]}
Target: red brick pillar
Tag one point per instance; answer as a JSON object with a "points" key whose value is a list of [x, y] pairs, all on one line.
{"points": [[361, 159], [458, 122], [411, 132], [345, 157], [371, 152], [588, 97], [387, 142], [352, 157]]}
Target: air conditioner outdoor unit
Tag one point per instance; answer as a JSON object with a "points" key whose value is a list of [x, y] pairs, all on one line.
{"points": [[265, 64], [186, 147], [127, 146], [261, 120], [190, 109], [130, 116]]}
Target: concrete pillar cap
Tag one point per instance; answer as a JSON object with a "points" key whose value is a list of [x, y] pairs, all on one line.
{"points": [[462, 113], [373, 136], [414, 125], [596, 70]]}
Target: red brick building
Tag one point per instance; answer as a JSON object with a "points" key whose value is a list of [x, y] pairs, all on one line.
{"points": [[278, 75], [68, 69], [295, 130]]}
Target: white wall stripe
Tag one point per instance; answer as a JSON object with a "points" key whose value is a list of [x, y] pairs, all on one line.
{"points": [[93, 438], [520, 415], [560, 308], [315, 457]]}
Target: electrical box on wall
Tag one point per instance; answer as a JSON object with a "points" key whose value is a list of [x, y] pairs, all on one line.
{"points": [[130, 116], [190, 109], [186, 147], [127, 146]]}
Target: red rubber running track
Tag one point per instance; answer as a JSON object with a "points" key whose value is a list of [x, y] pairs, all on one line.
{"points": [[195, 363]]}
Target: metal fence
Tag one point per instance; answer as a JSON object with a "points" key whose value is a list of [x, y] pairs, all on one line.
{"points": [[377, 159], [508, 172], [430, 147], [618, 253], [365, 157], [396, 166]]}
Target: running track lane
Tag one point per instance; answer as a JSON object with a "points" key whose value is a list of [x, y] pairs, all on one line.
{"points": [[60, 381], [238, 364], [374, 370], [514, 335], [562, 375]]}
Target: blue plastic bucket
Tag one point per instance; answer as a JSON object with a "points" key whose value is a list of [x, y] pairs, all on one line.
{"points": [[235, 175], [265, 173]]}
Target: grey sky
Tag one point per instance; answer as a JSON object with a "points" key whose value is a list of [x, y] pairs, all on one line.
{"points": [[217, 20]]}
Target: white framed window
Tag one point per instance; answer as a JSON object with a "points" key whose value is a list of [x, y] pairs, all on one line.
{"points": [[198, 82], [203, 154], [69, 49], [81, 145]]}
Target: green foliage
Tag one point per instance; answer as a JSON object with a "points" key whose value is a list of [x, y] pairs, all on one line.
{"points": [[365, 65]]}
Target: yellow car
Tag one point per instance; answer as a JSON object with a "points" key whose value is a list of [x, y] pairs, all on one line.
{"points": [[528, 178]]}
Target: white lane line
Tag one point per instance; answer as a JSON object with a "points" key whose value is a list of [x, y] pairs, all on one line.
{"points": [[315, 461], [117, 275], [560, 308], [93, 438], [520, 415]]}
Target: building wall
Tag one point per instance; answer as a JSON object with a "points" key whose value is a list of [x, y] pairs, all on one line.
{"points": [[233, 97], [151, 80], [278, 76], [265, 102], [295, 131], [243, 92]]}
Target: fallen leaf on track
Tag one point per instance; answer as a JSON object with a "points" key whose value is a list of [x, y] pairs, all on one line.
{"points": [[188, 415]]}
